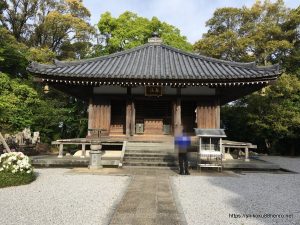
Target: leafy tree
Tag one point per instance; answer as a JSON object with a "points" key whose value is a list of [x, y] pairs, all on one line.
{"points": [[3, 5], [48, 23], [267, 33], [57, 28], [22, 106], [12, 54], [17, 15], [76, 50], [67, 22], [292, 28], [269, 120], [248, 34], [22, 102], [130, 30], [16, 102], [41, 55]]}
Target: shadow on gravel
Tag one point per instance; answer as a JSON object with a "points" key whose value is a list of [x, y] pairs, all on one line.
{"points": [[267, 195]]}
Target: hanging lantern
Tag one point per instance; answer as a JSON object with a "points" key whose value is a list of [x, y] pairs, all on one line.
{"points": [[46, 89]]}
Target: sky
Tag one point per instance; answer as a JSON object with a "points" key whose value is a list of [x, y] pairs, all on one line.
{"points": [[187, 15]]}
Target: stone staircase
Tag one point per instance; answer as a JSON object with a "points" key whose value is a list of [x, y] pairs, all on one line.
{"points": [[150, 154]]}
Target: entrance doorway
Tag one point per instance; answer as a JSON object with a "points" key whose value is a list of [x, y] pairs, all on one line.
{"points": [[188, 116], [118, 117], [153, 117]]}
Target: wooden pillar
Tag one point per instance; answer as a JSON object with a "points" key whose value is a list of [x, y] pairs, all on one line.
{"points": [[108, 114], [218, 113], [128, 117], [177, 114], [90, 115], [198, 115], [128, 112], [132, 118]]}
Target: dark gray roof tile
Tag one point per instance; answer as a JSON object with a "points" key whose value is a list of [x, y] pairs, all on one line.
{"points": [[155, 62]]}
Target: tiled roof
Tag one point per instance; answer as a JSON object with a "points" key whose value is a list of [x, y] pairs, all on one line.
{"points": [[155, 61]]}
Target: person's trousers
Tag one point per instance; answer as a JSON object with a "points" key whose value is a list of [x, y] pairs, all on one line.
{"points": [[183, 163]]}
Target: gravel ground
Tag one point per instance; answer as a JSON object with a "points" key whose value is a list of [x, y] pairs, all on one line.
{"points": [[210, 200], [57, 197], [289, 163]]}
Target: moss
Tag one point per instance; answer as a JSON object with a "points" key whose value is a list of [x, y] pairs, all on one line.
{"points": [[9, 179]]}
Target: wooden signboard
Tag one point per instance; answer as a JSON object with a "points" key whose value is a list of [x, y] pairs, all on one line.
{"points": [[153, 91]]}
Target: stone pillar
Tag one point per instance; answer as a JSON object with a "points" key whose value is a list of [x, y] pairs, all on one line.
{"points": [[61, 151], [83, 153], [247, 155]]}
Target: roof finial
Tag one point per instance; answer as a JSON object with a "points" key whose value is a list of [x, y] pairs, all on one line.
{"points": [[155, 34], [155, 39]]}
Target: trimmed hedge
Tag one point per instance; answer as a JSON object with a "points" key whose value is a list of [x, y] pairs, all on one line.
{"points": [[8, 179]]}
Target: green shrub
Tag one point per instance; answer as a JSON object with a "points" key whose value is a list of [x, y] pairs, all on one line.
{"points": [[14, 179], [15, 169]]}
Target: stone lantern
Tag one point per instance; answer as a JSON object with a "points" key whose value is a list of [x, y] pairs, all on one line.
{"points": [[95, 156]]}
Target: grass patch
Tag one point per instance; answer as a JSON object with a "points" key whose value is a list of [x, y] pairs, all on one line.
{"points": [[15, 179]]}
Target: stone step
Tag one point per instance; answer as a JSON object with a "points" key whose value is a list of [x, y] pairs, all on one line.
{"points": [[153, 167], [151, 164], [143, 154], [149, 151], [158, 149], [149, 159], [148, 143], [150, 155]]}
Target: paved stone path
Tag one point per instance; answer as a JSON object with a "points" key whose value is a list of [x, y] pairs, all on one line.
{"points": [[149, 200]]}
